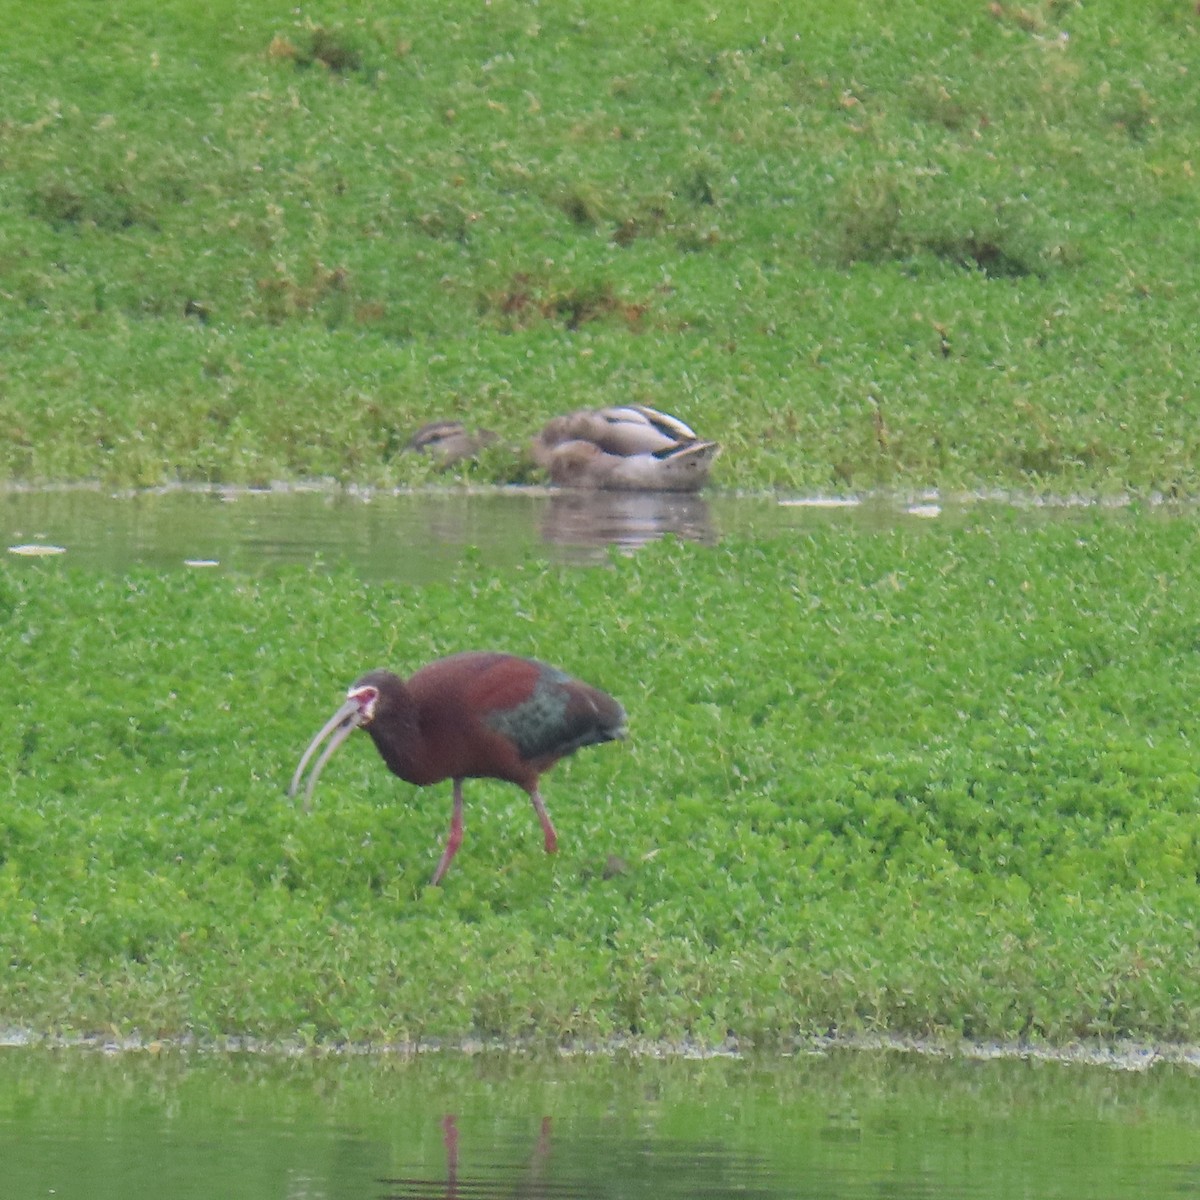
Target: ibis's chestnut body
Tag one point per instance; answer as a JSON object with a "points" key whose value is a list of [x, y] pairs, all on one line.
{"points": [[472, 716]]}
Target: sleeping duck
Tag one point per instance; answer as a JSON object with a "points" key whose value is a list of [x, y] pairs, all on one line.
{"points": [[449, 442], [631, 448]]}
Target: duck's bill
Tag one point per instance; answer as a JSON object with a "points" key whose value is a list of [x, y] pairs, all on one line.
{"points": [[341, 725]]}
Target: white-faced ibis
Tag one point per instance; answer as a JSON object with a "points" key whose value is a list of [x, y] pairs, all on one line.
{"points": [[632, 448], [471, 716]]}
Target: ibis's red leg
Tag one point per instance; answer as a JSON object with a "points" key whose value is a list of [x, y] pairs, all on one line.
{"points": [[450, 1140], [456, 834], [544, 817]]}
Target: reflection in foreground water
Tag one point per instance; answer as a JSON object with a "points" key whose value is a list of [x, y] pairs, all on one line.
{"points": [[845, 1125], [591, 1167]]}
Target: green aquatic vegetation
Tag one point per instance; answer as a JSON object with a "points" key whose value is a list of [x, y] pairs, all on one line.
{"points": [[938, 779], [938, 248]]}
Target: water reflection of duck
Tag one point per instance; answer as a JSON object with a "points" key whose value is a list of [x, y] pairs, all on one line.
{"points": [[631, 448], [449, 442], [591, 521]]}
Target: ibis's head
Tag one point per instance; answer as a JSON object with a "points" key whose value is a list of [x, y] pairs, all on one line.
{"points": [[358, 711]]}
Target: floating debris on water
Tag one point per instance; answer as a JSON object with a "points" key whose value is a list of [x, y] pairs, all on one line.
{"points": [[36, 550], [201, 562]]}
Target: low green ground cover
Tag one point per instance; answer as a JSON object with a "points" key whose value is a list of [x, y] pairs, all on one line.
{"points": [[931, 780], [947, 244]]}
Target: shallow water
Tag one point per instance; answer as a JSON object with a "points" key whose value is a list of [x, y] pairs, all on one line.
{"points": [[79, 1123], [415, 536]]}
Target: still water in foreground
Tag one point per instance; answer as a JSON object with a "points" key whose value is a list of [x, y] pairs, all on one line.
{"points": [[79, 1123]]}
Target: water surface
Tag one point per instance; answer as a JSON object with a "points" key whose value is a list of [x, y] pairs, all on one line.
{"points": [[842, 1125], [415, 536]]}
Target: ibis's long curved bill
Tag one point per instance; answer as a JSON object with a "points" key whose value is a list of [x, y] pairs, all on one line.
{"points": [[341, 725]]}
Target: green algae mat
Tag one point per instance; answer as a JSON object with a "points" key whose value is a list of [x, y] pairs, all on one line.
{"points": [[931, 780]]}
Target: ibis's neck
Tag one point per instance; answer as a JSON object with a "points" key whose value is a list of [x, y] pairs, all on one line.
{"points": [[396, 733]]}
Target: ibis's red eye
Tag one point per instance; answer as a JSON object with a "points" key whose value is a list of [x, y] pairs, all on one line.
{"points": [[365, 697]]}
